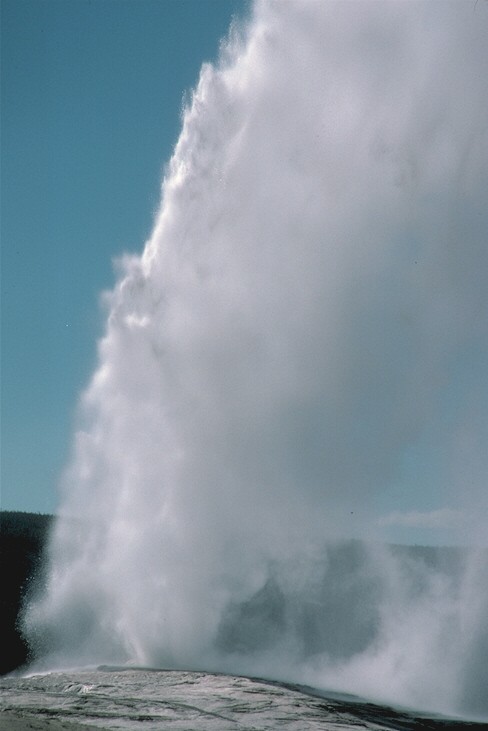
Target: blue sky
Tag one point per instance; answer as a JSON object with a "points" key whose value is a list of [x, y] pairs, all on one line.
{"points": [[91, 100], [92, 97]]}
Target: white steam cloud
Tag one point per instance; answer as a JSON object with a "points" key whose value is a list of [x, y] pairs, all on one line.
{"points": [[311, 305]]}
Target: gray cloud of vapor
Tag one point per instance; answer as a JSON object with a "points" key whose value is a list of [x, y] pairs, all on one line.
{"points": [[312, 303]]}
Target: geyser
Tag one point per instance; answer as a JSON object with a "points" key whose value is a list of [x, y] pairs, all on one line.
{"points": [[304, 332]]}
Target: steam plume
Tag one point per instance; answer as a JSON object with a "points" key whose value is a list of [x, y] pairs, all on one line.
{"points": [[308, 318]]}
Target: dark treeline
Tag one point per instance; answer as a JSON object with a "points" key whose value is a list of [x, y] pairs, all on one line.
{"points": [[22, 538], [260, 621]]}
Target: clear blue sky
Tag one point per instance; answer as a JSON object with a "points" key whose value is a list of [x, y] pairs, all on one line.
{"points": [[92, 93], [91, 98]]}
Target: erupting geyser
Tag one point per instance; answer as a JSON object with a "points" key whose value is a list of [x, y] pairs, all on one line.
{"points": [[308, 318]]}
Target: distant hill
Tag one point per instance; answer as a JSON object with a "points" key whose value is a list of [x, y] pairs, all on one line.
{"points": [[256, 622], [22, 539]]}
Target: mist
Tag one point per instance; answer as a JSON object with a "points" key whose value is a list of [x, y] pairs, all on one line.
{"points": [[293, 369]]}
